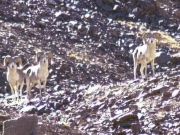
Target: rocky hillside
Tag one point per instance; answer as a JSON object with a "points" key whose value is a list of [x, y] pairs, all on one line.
{"points": [[90, 87]]}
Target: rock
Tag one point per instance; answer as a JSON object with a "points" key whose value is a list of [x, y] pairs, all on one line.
{"points": [[52, 2], [116, 7], [137, 12], [175, 93], [58, 105], [147, 6], [108, 1], [41, 108], [29, 109], [161, 89], [124, 120], [175, 58], [63, 16], [162, 58], [3, 118], [176, 12], [135, 127], [25, 125], [99, 3], [107, 8], [166, 95]]}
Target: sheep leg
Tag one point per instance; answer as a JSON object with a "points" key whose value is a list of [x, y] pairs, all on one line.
{"points": [[21, 87], [135, 68], [145, 62], [28, 89], [39, 83], [142, 70], [146, 70], [12, 91], [16, 93], [152, 65], [44, 85]]}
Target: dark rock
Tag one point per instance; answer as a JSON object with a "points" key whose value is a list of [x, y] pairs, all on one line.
{"points": [[99, 3], [41, 109], [64, 16], [107, 8], [4, 117], [135, 127], [52, 2], [147, 6], [108, 1], [29, 109], [162, 58], [158, 90], [124, 120], [57, 105], [26, 125], [137, 12], [177, 13]]}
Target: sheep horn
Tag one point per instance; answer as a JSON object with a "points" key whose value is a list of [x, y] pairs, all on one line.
{"points": [[18, 59], [157, 36], [7, 59], [50, 55], [38, 54], [145, 35]]}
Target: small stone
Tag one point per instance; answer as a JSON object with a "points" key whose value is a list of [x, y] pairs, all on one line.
{"points": [[175, 93]]}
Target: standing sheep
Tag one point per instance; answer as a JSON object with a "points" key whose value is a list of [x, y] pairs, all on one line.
{"points": [[146, 53]]}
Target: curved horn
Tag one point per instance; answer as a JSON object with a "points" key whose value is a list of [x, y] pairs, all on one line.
{"points": [[50, 55], [157, 36], [145, 35], [38, 54], [7, 59], [18, 59], [35, 49]]}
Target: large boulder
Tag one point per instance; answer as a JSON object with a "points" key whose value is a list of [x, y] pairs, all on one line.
{"points": [[25, 125], [162, 58]]}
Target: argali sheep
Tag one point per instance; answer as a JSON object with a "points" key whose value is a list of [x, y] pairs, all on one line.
{"points": [[15, 75], [146, 53], [37, 74]]}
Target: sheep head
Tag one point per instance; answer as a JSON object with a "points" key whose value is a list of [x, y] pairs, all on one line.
{"points": [[50, 56], [150, 37], [157, 36], [11, 62], [44, 58], [7, 60]]}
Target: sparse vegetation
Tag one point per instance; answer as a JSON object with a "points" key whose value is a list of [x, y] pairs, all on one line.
{"points": [[90, 87]]}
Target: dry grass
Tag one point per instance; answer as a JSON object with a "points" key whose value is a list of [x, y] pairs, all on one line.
{"points": [[170, 41], [166, 40], [86, 58]]}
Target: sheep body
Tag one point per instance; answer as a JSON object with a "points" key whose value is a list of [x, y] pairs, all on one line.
{"points": [[37, 74], [146, 53], [15, 75]]}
